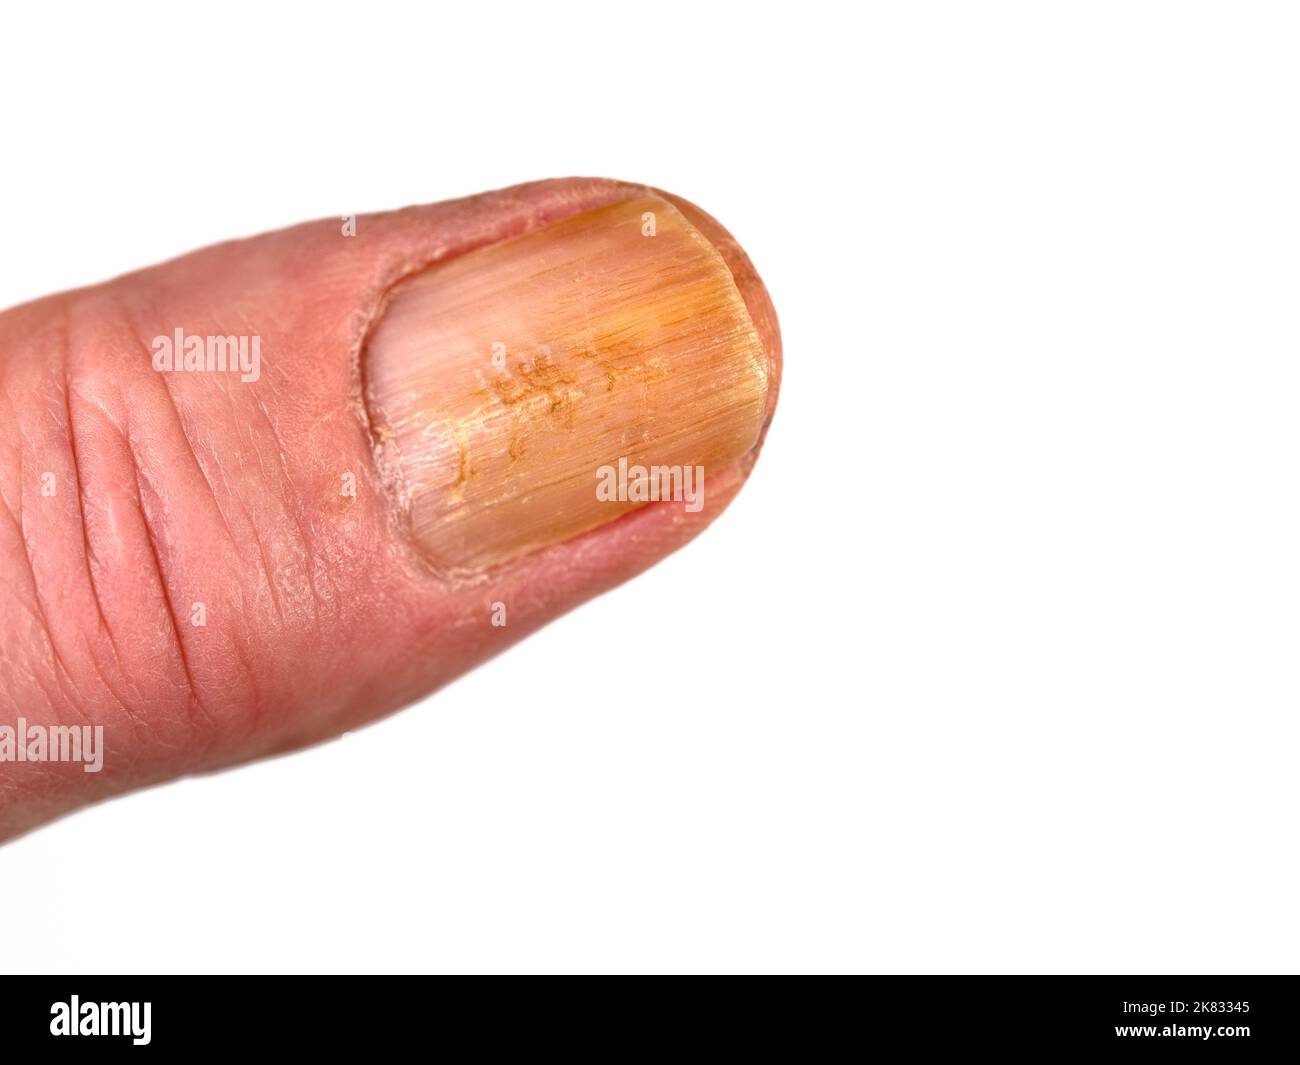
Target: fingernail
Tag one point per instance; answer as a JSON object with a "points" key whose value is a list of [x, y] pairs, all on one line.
{"points": [[503, 382]]}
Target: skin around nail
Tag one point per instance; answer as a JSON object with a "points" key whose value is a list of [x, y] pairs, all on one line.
{"points": [[516, 386]]}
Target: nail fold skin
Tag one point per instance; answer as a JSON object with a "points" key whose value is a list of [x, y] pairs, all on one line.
{"points": [[500, 383]]}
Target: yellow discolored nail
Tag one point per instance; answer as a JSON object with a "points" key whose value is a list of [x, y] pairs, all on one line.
{"points": [[514, 387]]}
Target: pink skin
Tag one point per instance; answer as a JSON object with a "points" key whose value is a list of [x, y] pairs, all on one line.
{"points": [[182, 488]]}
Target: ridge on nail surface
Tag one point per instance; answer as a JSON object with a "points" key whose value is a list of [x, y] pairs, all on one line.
{"points": [[503, 379]]}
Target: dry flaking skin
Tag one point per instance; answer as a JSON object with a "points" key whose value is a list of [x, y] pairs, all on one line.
{"points": [[503, 380]]}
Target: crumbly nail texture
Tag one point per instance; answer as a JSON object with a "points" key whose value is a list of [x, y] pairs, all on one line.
{"points": [[519, 388]]}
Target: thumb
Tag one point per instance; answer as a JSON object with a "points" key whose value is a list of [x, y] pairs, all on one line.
{"points": [[279, 487]]}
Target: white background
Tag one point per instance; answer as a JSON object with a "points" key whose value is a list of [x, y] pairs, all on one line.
{"points": [[992, 667]]}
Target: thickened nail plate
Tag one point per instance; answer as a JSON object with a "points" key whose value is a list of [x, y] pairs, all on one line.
{"points": [[502, 382]]}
